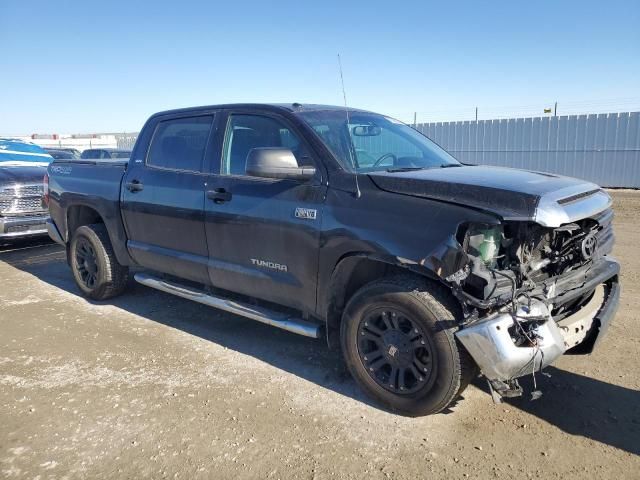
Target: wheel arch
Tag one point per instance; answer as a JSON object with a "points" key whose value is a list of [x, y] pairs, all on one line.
{"points": [[353, 271], [80, 214]]}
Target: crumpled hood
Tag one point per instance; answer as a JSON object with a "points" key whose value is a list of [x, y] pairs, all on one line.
{"points": [[509, 193], [21, 174]]}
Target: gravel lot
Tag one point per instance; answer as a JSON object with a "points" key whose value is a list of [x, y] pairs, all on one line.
{"points": [[155, 386]]}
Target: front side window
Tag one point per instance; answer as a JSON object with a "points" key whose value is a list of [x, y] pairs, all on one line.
{"points": [[180, 143], [246, 132], [369, 142]]}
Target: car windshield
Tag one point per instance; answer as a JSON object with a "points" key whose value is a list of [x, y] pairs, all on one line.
{"points": [[368, 142]]}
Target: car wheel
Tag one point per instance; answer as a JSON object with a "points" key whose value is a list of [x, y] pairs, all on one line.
{"points": [[397, 337], [93, 262]]}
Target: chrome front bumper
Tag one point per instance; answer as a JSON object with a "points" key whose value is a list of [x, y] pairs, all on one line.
{"points": [[18, 227], [490, 344]]}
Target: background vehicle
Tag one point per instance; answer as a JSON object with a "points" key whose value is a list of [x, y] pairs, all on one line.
{"points": [[337, 220], [62, 153], [22, 167], [98, 153]]}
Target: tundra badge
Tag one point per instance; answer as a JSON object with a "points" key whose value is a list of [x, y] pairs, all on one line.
{"points": [[267, 264]]}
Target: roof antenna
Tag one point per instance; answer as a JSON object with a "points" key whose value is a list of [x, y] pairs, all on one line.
{"points": [[346, 109]]}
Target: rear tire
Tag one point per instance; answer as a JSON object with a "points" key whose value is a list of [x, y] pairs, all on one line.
{"points": [[93, 263], [397, 337]]}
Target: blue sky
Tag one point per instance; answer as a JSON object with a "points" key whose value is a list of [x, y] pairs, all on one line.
{"points": [[85, 66]]}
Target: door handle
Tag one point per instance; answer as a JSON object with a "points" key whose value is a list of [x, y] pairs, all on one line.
{"points": [[219, 195], [134, 186]]}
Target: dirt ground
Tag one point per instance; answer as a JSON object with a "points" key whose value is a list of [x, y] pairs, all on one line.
{"points": [[153, 386]]}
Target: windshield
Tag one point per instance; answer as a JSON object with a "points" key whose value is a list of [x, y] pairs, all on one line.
{"points": [[370, 142], [18, 152]]}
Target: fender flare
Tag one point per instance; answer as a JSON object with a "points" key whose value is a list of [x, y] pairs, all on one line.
{"points": [[335, 295]]}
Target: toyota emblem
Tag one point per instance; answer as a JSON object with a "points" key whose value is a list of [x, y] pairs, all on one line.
{"points": [[589, 244]]}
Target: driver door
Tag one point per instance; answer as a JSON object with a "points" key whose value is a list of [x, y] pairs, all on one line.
{"points": [[259, 244]]}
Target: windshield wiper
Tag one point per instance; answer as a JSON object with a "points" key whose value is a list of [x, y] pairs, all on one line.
{"points": [[412, 169], [405, 169]]}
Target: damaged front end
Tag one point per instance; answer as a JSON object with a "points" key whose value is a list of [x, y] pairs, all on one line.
{"points": [[530, 293]]}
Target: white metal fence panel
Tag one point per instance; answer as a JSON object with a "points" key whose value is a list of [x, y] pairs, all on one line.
{"points": [[126, 141], [603, 148]]}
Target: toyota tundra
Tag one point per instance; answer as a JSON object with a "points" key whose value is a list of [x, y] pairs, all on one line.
{"points": [[348, 225]]}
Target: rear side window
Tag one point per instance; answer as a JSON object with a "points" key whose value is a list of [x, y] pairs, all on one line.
{"points": [[179, 144], [90, 154]]}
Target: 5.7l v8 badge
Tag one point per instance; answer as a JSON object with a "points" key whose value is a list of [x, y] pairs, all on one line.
{"points": [[306, 213]]}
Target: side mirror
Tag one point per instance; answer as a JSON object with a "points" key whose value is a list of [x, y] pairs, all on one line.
{"points": [[275, 162]]}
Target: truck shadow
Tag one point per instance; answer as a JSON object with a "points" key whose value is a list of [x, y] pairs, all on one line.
{"points": [[576, 404], [584, 406], [304, 357]]}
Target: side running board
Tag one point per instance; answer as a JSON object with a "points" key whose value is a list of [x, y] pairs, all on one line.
{"points": [[264, 315]]}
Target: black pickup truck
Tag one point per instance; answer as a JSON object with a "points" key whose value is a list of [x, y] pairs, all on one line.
{"points": [[343, 223]]}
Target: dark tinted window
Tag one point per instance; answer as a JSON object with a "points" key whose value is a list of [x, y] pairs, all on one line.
{"points": [[90, 154], [179, 144], [246, 132]]}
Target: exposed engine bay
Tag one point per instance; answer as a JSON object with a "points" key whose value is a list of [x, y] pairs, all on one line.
{"points": [[515, 258], [529, 293]]}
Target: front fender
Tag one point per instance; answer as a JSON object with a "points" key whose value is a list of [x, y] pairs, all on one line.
{"points": [[409, 233]]}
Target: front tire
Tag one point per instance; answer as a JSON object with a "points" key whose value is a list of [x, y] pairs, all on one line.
{"points": [[397, 337], [93, 263]]}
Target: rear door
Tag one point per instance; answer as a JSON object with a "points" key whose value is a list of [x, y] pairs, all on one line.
{"points": [[264, 234], [163, 197]]}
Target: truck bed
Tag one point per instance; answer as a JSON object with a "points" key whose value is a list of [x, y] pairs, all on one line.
{"points": [[93, 185]]}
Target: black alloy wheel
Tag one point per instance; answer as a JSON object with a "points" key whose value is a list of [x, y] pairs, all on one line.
{"points": [[395, 350], [397, 336], [94, 265], [87, 263]]}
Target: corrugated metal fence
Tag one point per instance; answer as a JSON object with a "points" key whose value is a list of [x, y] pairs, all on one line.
{"points": [[126, 141], [603, 148]]}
